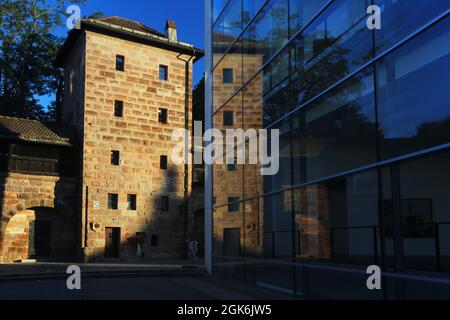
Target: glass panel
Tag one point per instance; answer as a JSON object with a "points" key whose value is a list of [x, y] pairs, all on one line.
{"points": [[265, 36], [413, 94], [400, 18], [338, 220], [228, 243], [217, 7], [425, 212], [336, 133], [250, 7], [276, 88], [222, 90], [226, 29], [282, 179], [301, 12], [333, 46], [253, 180]]}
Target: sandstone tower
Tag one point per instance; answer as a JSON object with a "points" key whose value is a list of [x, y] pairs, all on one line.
{"points": [[127, 88]]}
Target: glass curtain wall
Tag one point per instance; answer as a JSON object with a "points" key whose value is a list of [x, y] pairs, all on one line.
{"points": [[364, 123]]}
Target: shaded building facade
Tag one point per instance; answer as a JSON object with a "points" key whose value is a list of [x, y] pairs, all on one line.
{"points": [[363, 117]]}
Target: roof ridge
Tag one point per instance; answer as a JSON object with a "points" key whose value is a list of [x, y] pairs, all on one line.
{"points": [[144, 26]]}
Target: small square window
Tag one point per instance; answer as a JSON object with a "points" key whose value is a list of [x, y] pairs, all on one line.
{"points": [[232, 166], [164, 203], [233, 204], [228, 118], [118, 108], [163, 73], [154, 240], [113, 201], [131, 202], [162, 115], [120, 63], [163, 162], [115, 157], [228, 75]]}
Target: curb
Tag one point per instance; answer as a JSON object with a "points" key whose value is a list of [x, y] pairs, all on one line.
{"points": [[106, 274]]}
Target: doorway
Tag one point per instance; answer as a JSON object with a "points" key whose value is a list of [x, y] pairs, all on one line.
{"points": [[40, 239], [232, 242], [112, 243]]}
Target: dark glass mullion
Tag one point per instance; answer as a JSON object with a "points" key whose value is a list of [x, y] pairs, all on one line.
{"points": [[380, 181]]}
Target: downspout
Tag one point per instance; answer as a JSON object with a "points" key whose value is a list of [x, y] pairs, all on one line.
{"points": [[186, 148]]}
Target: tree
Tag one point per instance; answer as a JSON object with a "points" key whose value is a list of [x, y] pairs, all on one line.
{"points": [[28, 49], [198, 102]]}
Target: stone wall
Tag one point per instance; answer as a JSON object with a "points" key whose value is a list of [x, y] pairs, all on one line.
{"points": [[140, 139], [21, 196]]}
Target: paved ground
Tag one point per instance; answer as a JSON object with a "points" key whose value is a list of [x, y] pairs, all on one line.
{"points": [[167, 280], [138, 265], [152, 287]]}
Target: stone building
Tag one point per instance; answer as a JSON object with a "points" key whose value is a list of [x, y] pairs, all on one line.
{"points": [[38, 192], [127, 89]]}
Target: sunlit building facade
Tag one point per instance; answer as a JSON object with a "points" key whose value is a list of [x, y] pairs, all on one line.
{"points": [[364, 120]]}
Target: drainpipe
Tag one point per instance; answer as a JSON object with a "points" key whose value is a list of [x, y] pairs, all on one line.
{"points": [[86, 221], [186, 148]]}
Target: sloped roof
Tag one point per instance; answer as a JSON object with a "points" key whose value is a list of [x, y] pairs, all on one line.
{"points": [[130, 24], [30, 131], [126, 29]]}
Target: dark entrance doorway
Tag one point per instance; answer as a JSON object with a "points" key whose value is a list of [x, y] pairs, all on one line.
{"points": [[40, 239], [232, 242], [112, 243]]}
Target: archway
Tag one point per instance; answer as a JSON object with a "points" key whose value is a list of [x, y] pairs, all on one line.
{"points": [[39, 233]]}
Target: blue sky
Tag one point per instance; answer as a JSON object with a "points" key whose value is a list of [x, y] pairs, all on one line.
{"points": [[187, 14]]}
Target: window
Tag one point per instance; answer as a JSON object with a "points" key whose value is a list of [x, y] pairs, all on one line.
{"points": [[120, 63], [232, 166], [115, 157], [163, 73], [162, 115], [131, 202], [154, 240], [113, 200], [227, 75], [165, 203], [118, 108], [228, 118], [163, 162], [233, 204]]}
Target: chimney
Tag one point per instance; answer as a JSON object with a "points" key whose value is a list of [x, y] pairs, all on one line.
{"points": [[171, 30]]}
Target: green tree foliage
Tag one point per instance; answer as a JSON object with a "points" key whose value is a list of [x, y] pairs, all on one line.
{"points": [[198, 102], [28, 49]]}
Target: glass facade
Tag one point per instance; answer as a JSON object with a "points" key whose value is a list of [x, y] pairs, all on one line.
{"points": [[364, 123]]}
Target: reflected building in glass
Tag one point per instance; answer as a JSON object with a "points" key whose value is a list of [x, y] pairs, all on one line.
{"points": [[364, 122]]}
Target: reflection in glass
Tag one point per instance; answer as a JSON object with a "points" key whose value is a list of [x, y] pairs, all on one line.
{"points": [[223, 89], [338, 220], [337, 133], [333, 46], [400, 18], [265, 35], [226, 28], [413, 93]]}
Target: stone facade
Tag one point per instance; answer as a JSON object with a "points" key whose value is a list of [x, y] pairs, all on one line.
{"points": [[138, 136], [26, 198]]}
